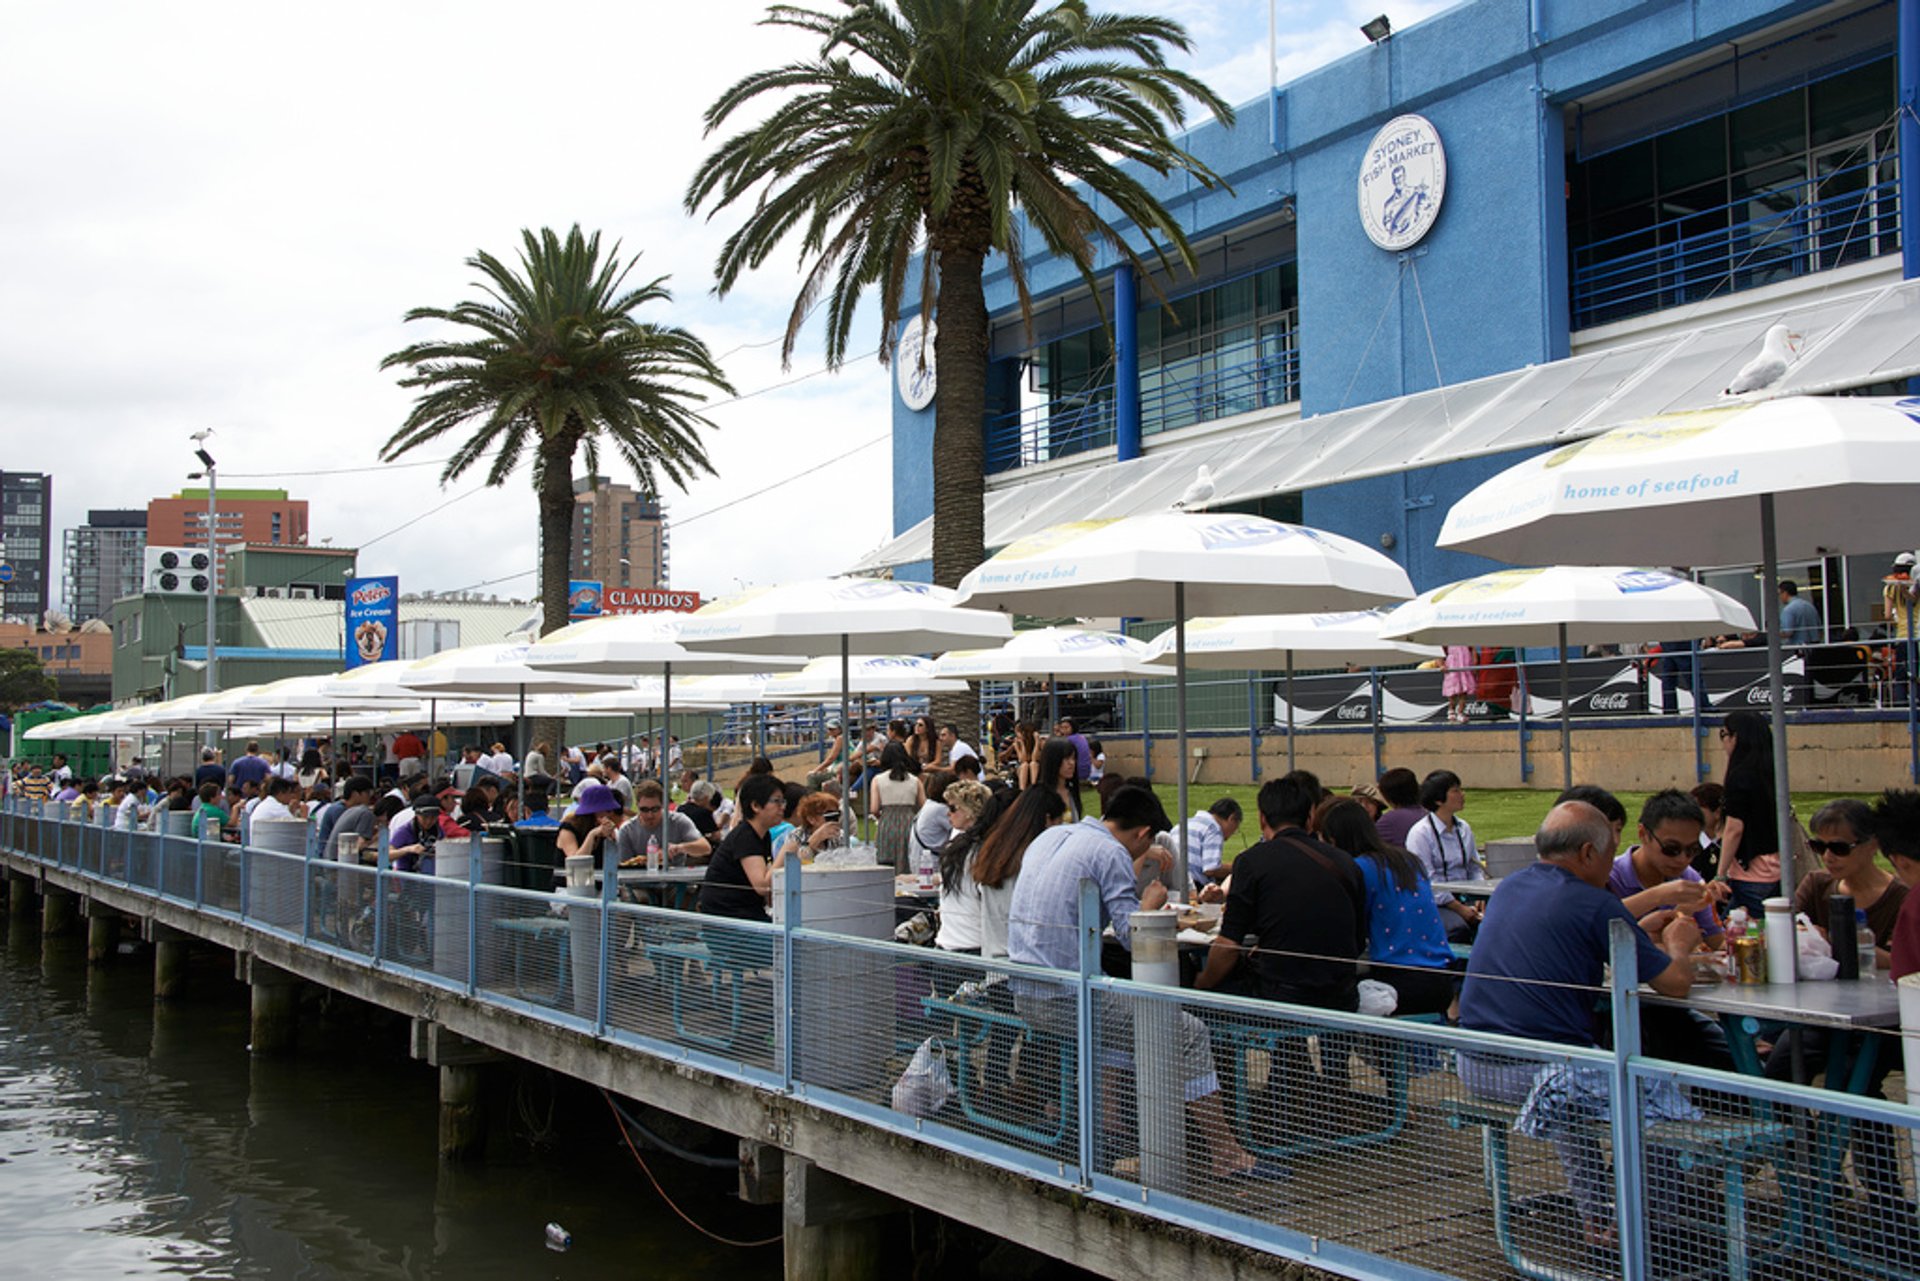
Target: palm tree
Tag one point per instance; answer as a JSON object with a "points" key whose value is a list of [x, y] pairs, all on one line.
{"points": [[556, 362], [928, 125]]}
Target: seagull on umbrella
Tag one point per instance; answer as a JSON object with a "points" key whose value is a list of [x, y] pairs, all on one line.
{"points": [[1766, 370], [1198, 494]]}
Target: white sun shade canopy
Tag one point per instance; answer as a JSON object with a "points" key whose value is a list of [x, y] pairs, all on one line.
{"points": [[1228, 564], [379, 682], [1684, 489], [633, 645], [481, 671], [868, 674], [1598, 605], [1043, 653], [189, 711], [1260, 641], [648, 694], [810, 619]]}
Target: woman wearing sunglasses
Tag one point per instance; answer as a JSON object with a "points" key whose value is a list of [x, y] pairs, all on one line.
{"points": [[1843, 841]]}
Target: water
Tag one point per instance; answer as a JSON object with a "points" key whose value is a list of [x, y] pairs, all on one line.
{"points": [[145, 1141]]}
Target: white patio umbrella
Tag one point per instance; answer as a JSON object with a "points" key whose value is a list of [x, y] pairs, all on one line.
{"points": [[1797, 476], [818, 616], [481, 671], [866, 675], [633, 645], [1163, 564], [1048, 653], [1287, 641], [1558, 604]]}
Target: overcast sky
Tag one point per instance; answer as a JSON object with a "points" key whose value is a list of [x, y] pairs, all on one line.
{"points": [[215, 215]]}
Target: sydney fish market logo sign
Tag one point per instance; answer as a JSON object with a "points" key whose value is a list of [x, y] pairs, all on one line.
{"points": [[1403, 179]]}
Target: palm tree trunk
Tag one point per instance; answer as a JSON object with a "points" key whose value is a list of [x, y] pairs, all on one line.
{"points": [[556, 555], [959, 453]]}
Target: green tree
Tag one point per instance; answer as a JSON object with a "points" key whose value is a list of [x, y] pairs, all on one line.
{"points": [[554, 363], [931, 126], [22, 679]]}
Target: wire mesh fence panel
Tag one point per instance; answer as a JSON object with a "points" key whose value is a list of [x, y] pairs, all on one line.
{"points": [[403, 919], [340, 906], [220, 877], [705, 983], [984, 1047], [524, 946], [273, 889], [1736, 1183], [180, 867], [142, 860], [1305, 1119]]}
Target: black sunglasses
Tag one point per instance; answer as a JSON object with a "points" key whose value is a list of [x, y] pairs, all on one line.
{"points": [[1839, 849]]}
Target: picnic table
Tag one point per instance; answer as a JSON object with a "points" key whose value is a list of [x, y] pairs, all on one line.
{"points": [[1469, 889], [1851, 1009]]}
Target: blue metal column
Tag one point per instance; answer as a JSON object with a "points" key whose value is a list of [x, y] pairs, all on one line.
{"points": [[1126, 361], [473, 908], [1908, 71], [1253, 723], [1629, 1148], [1084, 1059]]}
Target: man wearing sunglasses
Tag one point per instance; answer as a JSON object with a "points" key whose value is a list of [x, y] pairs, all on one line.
{"points": [[1656, 879], [678, 839]]}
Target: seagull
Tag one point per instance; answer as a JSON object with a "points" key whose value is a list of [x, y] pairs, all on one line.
{"points": [[1770, 366], [1198, 494]]}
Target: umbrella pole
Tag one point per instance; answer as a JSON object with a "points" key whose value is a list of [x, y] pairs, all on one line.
{"points": [[1776, 690], [433, 735], [1289, 711], [1053, 700], [846, 800], [520, 753], [1566, 732], [1183, 878], [666, 735]]}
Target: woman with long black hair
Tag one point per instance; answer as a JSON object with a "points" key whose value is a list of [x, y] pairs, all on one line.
{"points": [[996, 862], [1059, 773], [1750, 827], [1405, 935]]}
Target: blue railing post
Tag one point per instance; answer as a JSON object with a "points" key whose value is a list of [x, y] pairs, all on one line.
{"points": [[473, 914], [1520, 706], [1629, 1146], [1253, 722], [609, 891], [246, 867], [200, 866], [790, 899], [306, 886], [381, 865], [1084, 1058], [1699, 688], [160, 860]]}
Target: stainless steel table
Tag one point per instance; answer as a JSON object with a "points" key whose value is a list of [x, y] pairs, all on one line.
{"points": [[1468, 889]]}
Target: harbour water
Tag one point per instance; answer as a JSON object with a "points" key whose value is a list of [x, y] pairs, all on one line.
{"points": [[146, 1141]]}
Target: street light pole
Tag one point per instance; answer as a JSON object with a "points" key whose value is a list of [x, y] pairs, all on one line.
{"points": [[212, 683]]}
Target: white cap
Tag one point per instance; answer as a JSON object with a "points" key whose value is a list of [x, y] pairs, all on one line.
{"points": [[1904, 558]]}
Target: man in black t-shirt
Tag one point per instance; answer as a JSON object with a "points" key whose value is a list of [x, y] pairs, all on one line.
{"points": [[1302, 898], [210, 771]]}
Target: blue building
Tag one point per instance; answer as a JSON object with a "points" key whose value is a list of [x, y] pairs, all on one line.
{"points": [[1515, 222]]}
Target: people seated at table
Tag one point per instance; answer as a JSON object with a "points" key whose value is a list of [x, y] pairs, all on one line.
{"points": [[1406, 939], [1656, 875], [1059, 772], [1305, 903], [677, 839], [415, 844], [1896, 817], [1401, 789], [815, 826], [1208, 832], [591, 826], [996, 863], [282, 801], [1043, 929], [1712, 800], [1443, 843], [1537, 966], [739, 879], [1750, 832], [1370, 800], [702, 807], [972, 809], [931, 827]]}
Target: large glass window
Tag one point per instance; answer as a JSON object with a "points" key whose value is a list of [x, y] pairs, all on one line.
{"points": [[1798, 182]]}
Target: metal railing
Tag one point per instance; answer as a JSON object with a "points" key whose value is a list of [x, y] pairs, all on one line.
{"points": [[1386, 1147], [1234, 379], [1845, 216]]}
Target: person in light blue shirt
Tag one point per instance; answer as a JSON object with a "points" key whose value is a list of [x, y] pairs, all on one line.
{"points": [[1043, 929], [1799, 620]]}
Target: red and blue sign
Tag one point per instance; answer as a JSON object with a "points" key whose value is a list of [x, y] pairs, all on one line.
{"points": [[373, 620]]}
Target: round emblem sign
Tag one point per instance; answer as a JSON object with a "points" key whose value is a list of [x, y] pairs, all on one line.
{"points": [[1403, 179], [913, 364]]}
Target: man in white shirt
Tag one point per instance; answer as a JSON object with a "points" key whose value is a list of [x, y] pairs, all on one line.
{"points": [[127, 803], [499, 762], [281, 801], [952, 746]]}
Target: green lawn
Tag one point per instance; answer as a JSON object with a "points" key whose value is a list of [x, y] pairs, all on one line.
{"points": [[1493, 813]]}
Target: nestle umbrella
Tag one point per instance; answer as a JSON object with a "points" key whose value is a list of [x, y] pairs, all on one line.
{"points": [[1165, 564], [1288, 641], [1797, 476], [866, 674], [827, 615], [1558, 604], [1048, 653]]}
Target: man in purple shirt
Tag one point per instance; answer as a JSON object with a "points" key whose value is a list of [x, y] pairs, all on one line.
{"points": [[1402, 793], [1656, 876]]}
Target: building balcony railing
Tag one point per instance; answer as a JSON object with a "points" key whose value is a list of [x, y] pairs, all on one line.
{"points": [[1846, 216], [1230, 380]]}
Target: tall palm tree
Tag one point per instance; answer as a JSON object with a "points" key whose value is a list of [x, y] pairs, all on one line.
{"points": [[928, 125], [555, 362]]}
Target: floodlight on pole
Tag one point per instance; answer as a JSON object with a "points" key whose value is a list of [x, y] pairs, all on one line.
{"points": [[1378, 29]]}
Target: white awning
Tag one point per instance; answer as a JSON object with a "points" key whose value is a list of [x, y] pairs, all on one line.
{"points": [[1850, 340]]}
